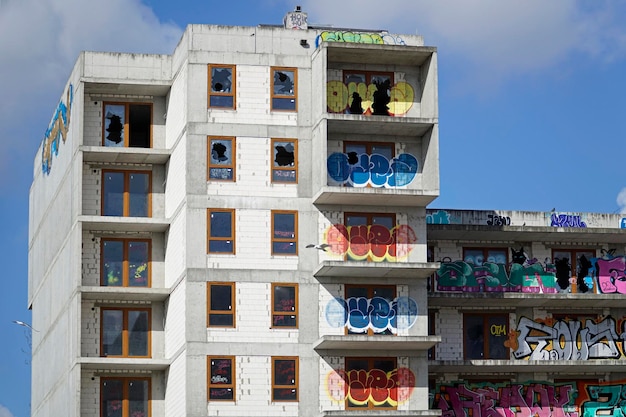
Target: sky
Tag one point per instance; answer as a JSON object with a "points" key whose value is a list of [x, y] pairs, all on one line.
{"points": [[531, 102]]}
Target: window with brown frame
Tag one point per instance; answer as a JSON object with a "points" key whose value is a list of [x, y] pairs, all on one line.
{"points": [[125, 262], [285, 160], [365, 375], [375, 317], [221, 231], [125, 397], [125, 332], [126, 193], [221, 158], [570, 263], [284, 88], [367, 163], [221, 375], [221, 304], [284, 305], [370, 235], [284, 232], [372, 87], [127, 125], [284, 378], [222, 86], [484, 336], [478, 256]]}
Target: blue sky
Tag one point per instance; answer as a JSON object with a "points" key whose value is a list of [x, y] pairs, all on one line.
{"points": [[531, 100]]}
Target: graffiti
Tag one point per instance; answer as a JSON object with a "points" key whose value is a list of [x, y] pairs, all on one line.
{"points": [[438, 217], [371, 170], [607, 400], [374, 386], [530, 399], [371, 242], [340, 97], [495, 220], [359, 314], [622, 223], [58, 127], [296, 20], [358, 37], [566, 220], [551, 339], [610, 274]]}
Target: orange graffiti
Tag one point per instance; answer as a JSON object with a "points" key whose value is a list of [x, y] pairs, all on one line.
{"points": [[375, 386], [374, 242]]}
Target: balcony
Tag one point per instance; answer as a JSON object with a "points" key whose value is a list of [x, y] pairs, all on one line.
{"points": [[375, 270], [551, 367], [381, 413], [374, 344], [105, 155], [124, 293], [123, 224], [125, 364], [511, 300]]}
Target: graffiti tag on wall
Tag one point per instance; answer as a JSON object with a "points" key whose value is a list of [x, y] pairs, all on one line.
{"points": [[57, 129], [339, 97], [566, 220], [371, 170], [387, 389], [359, 314], [551, 339], [358, 37], [374, 242], [610, 274]]}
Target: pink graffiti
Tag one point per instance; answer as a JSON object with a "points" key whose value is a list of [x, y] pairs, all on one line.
{"points": [[373, 386], [375, 241], [612, 275]]}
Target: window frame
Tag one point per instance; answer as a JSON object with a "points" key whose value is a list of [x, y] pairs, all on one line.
{"points": [[278, 313], [125, 394], [485, 250], [233, 92], [126, 197], [282, 96], [233, 307], [125, 262], [278, 168], [231, 238], [485, 316], [574, 254], [371, 293], [232, 166], [233, 379], [125, 331], [368, 81], [371, 361], [126, 125], [293, 240], [369, 223], [294, 387]]}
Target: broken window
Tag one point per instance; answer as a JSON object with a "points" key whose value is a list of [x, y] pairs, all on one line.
{"points": [[221, 155], [222, 86], [127, 125], [285, 160], [284, 88]]}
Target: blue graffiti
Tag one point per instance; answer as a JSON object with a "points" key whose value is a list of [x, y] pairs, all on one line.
{"points": [[57, 129], [623, 223], [566, 220], [438, 217], [359, 314], [374, 170]]}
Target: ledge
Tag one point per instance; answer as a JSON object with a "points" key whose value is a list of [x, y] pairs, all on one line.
{"points": [[550, 367], [509, 300], [355, 269], [369, 343], [134, 364], [355, 53], [381, 413], [363, 196], [124, 224], [109, 155], [367, 125], [124, 293]]}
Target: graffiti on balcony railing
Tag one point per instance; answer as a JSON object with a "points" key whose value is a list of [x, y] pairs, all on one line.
{"points": [[610, 274], [374, 386], [358, 37], [368, 99], [360, 314], [530, 399], [567, 339], [57, 129], [375, 170], [375, 243], [566, 220]]}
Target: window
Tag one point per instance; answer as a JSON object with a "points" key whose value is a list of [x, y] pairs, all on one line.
{"points": [[221, 155], [127, 125], [285, 160], [126, 193], [125, 397], [284, 379], [222, 86], [372, 89], [284, 88], [478, 256], [221, 231], [284, 305], [370, 235], [125, 332], [372, 312], [574, 263], [368, 375], [484, 336], [221, 304], [221, 378], [125, 263], [368, 163], [284, 232]]}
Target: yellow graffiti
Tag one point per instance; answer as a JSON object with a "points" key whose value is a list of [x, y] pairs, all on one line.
{"points": [[339, 97], [59, 126], [498, 329]]}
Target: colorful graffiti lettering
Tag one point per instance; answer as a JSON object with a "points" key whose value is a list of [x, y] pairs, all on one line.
{"points": [[339, 97], [610, 274], [58, 127], [359, 314], [370, 242], [374, 386], [371, 170], [566, 340], [358, 37], [566, 220], [438, 217]]}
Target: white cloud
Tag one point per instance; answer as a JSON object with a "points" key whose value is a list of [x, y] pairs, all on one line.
{"points": [[621, 201], [4, 412], [39, 43]]}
